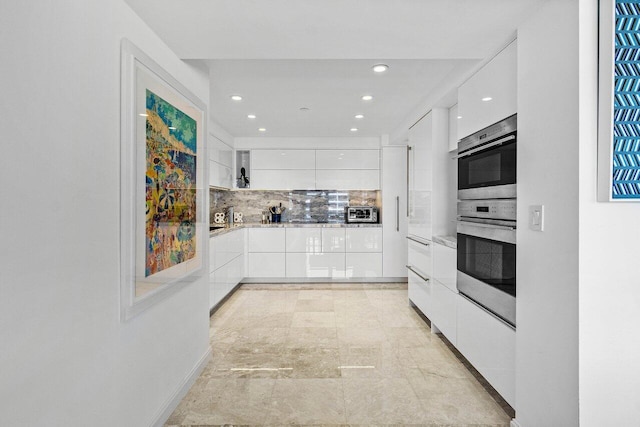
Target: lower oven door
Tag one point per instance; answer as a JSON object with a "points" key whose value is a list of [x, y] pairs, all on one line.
{"points": [[487, 267]]}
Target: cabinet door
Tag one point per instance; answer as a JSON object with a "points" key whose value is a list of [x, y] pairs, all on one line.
{"points": [[363, 264], [329, 265], [365, 239], [420, 142], [489, 95], [444, 265], [420, 293], [348, 159], [348, 179], [282, 159], [219, 175], [266, 240], [263, 264], [333, 240], [420, 257], [444, 310], [308, 240], [489, 345], [220, 152], [453, 128], [269, 179], [394, 211]]}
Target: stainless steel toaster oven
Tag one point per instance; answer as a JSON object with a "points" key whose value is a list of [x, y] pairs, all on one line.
{"points": [[362, 214]]}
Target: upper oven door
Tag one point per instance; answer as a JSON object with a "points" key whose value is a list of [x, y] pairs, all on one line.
{"points": [[489, 171]]}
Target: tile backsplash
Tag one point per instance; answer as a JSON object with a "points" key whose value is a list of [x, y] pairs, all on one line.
{"points": [[300, 205]]}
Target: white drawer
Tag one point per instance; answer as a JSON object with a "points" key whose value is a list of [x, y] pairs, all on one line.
{"points": [[266, 264], [363, 265], [444, 310], [307, 240], [333, 240], [420, 257], [420, 293], [445, 265], [224, 248], [330, 265], [366, 239], [266, 240]]}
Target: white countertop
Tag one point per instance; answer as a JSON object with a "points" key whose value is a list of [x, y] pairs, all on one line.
{"points": [[449, 241], [228, 229]]}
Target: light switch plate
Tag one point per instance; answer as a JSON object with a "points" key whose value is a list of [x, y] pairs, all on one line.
{"points": [[536, 217]]}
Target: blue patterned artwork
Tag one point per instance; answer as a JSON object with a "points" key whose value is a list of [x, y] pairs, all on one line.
{"points": [[626, 106]]}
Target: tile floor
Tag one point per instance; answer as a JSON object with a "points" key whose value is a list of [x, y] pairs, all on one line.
{"points": [[331, 354]]}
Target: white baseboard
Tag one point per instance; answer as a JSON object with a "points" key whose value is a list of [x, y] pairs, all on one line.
{"points": [[172, 403], [514, 423]]}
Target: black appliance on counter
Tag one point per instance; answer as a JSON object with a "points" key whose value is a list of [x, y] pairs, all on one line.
{"points": [[361, 214]]}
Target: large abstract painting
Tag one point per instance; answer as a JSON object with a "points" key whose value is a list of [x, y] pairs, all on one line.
{"points": [[163, 214], [170, 185]]}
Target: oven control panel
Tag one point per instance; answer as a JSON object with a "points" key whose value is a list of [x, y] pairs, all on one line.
{"points": [[489, 209]]}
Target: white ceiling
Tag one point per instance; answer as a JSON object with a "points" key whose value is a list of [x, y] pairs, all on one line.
{"points": [[281, 55]]}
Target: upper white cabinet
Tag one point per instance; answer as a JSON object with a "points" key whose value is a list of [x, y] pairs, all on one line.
{"points": [[348, 159], [429, 163], [283, 159], [315, 169], [220, 162], [453, 128], [489, 95], [291, 179], [354, 179]]}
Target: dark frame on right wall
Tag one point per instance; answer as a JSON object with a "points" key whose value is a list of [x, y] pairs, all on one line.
{"points": [[619, 101]]}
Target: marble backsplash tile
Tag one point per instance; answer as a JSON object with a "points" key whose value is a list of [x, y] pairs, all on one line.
{"points": [[300, 205]]}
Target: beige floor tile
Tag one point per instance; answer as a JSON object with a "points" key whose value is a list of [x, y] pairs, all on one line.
{"points": [[307, 401], [320, 305], [361, 337], [310, 362], [312, 337], [314, 320], [315, 294]]}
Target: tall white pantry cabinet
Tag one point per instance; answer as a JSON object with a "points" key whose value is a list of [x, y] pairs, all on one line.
{"points": [[394, 210]]}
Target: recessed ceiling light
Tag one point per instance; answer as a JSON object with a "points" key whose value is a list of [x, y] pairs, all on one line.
{"points": [[236, 97], [251, 116], [487, 98], [359, 116], [380, 68], [367, 97], [262, 130], [354, 129]]}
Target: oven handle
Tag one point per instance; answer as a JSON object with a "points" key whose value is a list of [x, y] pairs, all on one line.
{"points": [[426, 279], [482, 224], [484, 147], [417, 240]]}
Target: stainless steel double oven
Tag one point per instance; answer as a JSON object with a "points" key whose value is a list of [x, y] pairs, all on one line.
{"points": [[486, 225]]}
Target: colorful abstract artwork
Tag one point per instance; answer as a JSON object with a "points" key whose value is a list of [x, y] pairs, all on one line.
{"points": [[170, 225]]}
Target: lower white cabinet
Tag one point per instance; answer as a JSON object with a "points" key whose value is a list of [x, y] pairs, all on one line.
{"points": [[333, 240], [420, 293], [330, 265], [363, 264], [307, 240], [444, 265], [266, 240], [444, 310], [266, 264], [420, 257], [226, 264], [366, 239], [490, 345]]}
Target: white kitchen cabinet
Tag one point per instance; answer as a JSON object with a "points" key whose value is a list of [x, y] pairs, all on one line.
{"points": [[226, 264], [327, 265], [219, 175], [266, 264], [445, 265], [266, 240], [220, 152], [453, 128], [348, 159], [419, 289], [366, 239], [430, 162], [292, 179], [355, 179], [308, 240], [444, 310], [420, 256], [394, 211], [333, 240], [490, 95], [490, 345], [363, 264], [220, 162], [283, 159]]}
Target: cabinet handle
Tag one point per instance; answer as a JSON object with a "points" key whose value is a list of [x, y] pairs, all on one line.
{"points": [[411, 269], [484, 147], [397, 213], [415, 239], [408, 172]]}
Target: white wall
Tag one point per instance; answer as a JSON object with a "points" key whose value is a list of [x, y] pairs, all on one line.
{"points": [[609, 274], [547, 262], [66, 358], [248, 143]]}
